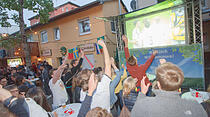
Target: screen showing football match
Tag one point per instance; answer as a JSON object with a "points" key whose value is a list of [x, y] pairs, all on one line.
{"points": [[158, 29]]}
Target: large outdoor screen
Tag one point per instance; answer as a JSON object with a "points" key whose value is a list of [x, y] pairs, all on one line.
{"points": [[158, 29], [14, 62]]}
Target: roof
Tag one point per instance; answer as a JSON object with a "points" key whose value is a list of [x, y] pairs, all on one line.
{"points": [[124, 6], [79, 9], [58, 8], [71, 12]]}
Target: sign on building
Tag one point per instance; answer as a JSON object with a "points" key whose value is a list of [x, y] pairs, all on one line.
{"points": [[47, 52], [87, 47]]}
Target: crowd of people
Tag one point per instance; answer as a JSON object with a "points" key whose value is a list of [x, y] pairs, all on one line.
{"points": [[102, 92]]}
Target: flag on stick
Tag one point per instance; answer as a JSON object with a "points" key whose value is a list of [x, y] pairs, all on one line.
{"points": [[70, 54], [99, 38], [76, 52], [98, 50]]}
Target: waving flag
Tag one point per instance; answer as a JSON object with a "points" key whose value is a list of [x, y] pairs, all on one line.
{"points": [[76, 52], [70, 54], [99, 38], [98, 49]]}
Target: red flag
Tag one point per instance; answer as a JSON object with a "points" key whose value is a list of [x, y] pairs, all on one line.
{"points": [[70, 54]]}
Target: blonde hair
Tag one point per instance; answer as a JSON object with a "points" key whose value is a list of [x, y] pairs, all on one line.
{"points": [[128, 85], [98, 112], [81, 79], [170, 76]]}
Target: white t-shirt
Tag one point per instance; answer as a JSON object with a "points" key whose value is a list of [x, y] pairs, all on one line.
{"points": [[101, 96], [82, 95], [35, 110], [58, 89]]}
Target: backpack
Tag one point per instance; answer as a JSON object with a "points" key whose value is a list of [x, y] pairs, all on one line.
{"points": [[125, 112]]}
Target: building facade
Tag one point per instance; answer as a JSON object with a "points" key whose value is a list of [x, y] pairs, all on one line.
{"points": [[78, 27], [206, 38]]}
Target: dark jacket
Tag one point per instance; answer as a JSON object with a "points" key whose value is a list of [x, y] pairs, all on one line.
{"points": [[67, 79], [85, 106], [77, 69], [19, 107], [45, 77], [130, 100]]}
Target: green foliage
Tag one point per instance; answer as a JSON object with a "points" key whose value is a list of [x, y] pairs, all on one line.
{"points": [[192, 51], [41, 7], [10, 42], [195, 83]]}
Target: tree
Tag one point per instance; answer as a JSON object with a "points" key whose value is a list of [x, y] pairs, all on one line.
{"points": [[41, 7]]}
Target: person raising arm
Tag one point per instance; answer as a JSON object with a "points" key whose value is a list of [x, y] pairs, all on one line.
{"points": [[132, 66], [57, 87]]}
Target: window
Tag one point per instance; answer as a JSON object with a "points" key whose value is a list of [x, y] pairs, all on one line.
{"points": [[84, 26], [67, 9], [62, 9], [204, 4], [30, 38], [44, 37], [113, 27], [56, 34]]}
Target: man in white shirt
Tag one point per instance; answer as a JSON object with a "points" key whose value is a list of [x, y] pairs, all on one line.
{"points": [[60, 96]]}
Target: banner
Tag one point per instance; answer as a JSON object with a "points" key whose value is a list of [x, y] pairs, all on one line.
{"points": [[188, 57]]}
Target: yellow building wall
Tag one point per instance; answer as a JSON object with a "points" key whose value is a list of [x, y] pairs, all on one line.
{"points": [[111, 8], [70, 36]]}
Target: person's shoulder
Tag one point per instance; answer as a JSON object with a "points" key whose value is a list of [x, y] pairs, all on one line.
{"points": [[106, 76], [50, 82], [29, 101]]}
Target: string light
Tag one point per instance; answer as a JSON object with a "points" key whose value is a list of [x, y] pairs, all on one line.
{"points": [[4, 35], [39, 59]]}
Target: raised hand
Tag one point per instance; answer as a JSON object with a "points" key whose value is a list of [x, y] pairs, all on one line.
{"points": [[124, 38], [162, 61], [112, 60], [65, 60], [82, 53], [123, 66], [101, 43], [155, 52], [144, 87], [92, 84]]}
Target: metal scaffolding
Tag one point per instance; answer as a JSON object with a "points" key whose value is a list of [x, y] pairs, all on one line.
{"points": [[194, 21]]}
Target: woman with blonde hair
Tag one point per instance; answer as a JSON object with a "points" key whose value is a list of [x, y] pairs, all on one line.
{"points": [[129, 92]]}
